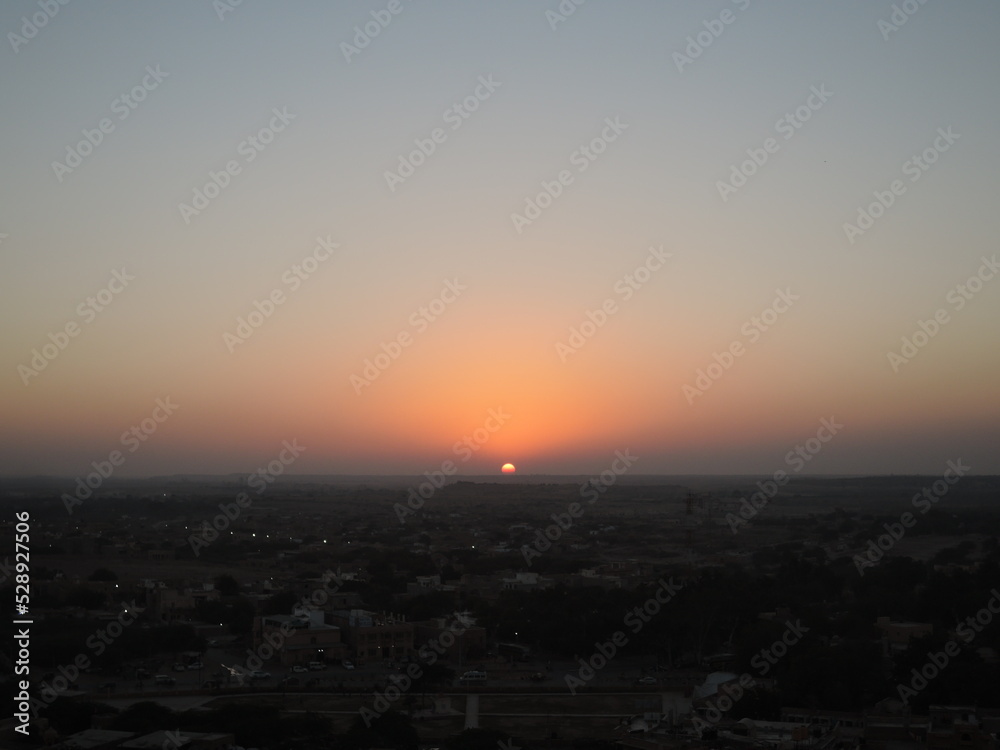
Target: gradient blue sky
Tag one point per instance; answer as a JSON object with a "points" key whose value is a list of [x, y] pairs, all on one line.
{"points": [[496, 346]]}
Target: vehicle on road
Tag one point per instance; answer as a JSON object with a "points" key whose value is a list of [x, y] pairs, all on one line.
{"points": [[347, 664], [299, 668], [196, 665], [164, 679], [646, 681], [179, 668], [260, 675]]}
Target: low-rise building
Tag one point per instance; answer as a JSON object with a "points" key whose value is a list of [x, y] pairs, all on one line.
{"points": [[427, 584], [963, 727], [527, 581], [897, 635], [455, 639], [300, 639], [375, 636]]}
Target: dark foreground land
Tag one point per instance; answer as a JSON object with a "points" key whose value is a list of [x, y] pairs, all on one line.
{"points": [[679, 611]]}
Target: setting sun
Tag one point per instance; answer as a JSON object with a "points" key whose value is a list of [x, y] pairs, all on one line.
{"points": [[508, 468]]}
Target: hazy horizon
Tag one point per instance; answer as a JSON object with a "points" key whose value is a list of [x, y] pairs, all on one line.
{"points": [[631, 478]]}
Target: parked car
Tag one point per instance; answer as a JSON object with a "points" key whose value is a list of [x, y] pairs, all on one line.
{"points": [[347, 664], [164, 679], [179, 668], [141, 673], [317, 665], [211, 684], [107, 686], [260, 675], [299, 668], [646, 681], [195, 665]]}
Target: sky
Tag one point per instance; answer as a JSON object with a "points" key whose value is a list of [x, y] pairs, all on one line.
{"points": [[410, 236]]}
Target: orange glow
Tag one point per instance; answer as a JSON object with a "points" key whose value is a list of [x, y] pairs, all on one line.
{"points": [[508, 468]]}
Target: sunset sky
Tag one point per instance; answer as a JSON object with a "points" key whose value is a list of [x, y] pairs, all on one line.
{"points": [[441, 251]]}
